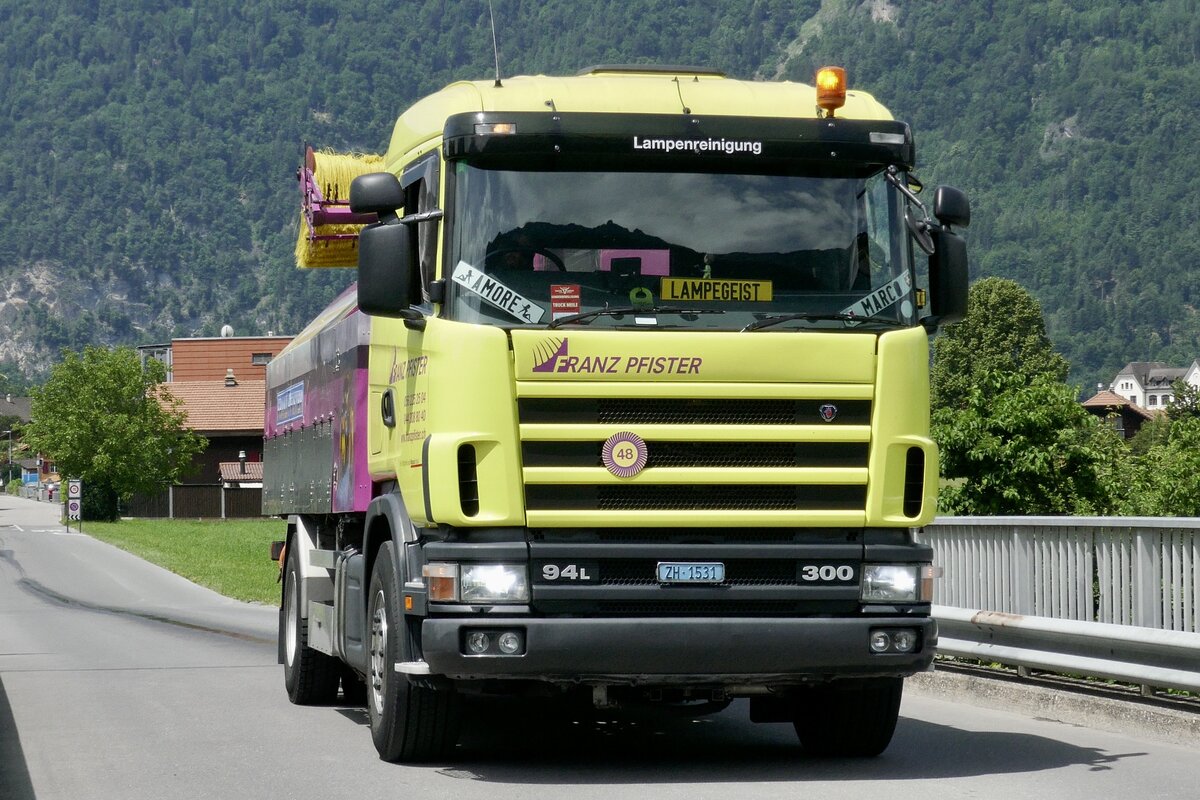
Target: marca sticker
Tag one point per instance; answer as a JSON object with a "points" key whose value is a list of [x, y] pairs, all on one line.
{"points": [[564, 299], [702, 289], [497, 294], [881, 298]]}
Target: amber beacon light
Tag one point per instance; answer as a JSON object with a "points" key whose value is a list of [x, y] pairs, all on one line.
{"points": [[831, 88]]}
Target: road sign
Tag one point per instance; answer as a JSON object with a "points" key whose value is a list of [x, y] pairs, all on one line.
{"points": [[74, 499]]}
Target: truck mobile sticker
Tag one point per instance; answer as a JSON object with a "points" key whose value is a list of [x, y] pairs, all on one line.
{"points": [[707, 289], [497, 294], [564, 299]]}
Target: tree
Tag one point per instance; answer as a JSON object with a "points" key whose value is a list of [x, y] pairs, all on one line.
{"points": [[1003, 333], [107, 418], [1153, 433], [1186, 403], [1025, 448], [1165, 481]]}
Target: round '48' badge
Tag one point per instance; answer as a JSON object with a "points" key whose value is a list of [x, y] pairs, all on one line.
{"points": [[624, 454]]}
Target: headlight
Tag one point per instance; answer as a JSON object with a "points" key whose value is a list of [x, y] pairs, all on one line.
{"points": [[476, 583], [890, 583], [493, 583]]}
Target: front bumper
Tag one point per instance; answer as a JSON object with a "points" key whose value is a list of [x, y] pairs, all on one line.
{"points": [[678, 650]]}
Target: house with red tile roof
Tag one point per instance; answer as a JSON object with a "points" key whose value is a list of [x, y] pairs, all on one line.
{"points": [[221, 386], [221, 382], [241, 474], [229, 413], [1125, 416]]}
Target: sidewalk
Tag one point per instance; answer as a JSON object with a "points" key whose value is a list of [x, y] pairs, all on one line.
{"points": [[1110, 710]]}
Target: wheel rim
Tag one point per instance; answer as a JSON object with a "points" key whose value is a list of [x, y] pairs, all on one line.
{"points": [[379, 636], [292, 625]]}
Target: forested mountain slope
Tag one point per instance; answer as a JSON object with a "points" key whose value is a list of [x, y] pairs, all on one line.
{"points": [[1073, 127], [148, 148]]}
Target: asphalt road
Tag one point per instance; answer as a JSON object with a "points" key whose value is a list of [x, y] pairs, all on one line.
{"points": [[119, 680]]}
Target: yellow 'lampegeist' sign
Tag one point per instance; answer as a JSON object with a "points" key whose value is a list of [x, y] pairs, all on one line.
{"points": [[702, 289]]}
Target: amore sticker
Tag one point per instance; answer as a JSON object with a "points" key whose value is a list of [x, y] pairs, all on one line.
{"points": [[496, 293]]}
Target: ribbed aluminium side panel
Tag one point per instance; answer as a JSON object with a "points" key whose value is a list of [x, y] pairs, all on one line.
{"points": [[314, 448]]}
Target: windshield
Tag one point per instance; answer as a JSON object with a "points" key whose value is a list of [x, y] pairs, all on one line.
{"points": [[615, 249]]}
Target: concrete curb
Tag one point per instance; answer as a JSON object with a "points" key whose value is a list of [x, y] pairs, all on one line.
{"points": [[1128, 715]]}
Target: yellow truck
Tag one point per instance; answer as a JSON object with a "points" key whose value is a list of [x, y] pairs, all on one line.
{"points": [[630, 403]]}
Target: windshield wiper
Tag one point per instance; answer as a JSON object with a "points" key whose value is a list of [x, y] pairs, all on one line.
{"points": [[619, 311], [841, 316]]}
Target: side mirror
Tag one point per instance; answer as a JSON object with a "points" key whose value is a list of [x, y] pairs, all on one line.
{"points": [[950, 206], [385, 269], [378, 193], [948, 280], [385, 256]]}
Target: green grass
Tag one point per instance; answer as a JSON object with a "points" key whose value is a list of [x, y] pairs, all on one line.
{"points": [[232, 557]]}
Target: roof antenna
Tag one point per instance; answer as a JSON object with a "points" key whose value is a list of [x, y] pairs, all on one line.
{"points": [[495, 47]]}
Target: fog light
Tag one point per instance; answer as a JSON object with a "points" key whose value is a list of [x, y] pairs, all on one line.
{"points": [[904, 640], [880, 641], [478, 642], [510, 643]]}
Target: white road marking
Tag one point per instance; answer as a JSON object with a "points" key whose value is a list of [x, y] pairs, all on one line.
{"points": [[57, 531]]}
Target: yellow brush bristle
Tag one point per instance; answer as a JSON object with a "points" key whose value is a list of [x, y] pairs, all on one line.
{"points": [[333, 173]]}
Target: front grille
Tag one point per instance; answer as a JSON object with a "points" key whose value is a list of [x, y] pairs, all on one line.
{"points": [[702, 497], [818, 576], [750, 455], [690, 411], [705, 454], [689, 536]]}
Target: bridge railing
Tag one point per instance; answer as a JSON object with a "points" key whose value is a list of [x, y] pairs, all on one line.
{"points": [[1114, 597]]}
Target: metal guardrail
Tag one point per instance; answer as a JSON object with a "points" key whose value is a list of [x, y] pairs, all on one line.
{"points": [[1152, 658], [1106, 597]]}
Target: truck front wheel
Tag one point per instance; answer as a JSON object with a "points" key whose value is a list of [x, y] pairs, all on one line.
{"points": [[311, 677], [849, 718], [408, 723]]}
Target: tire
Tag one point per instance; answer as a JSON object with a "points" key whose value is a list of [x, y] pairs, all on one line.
{"points": [[311, 677], [408, 723], [853, 718]]}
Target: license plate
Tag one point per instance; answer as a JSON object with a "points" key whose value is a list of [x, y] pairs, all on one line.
{"points": [[691, 572]]}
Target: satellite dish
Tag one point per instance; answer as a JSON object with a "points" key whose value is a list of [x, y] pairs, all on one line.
{"points": [[226, 331]]}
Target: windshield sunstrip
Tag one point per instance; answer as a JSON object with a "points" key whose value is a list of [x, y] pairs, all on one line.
{"points": [[562, 138]]}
